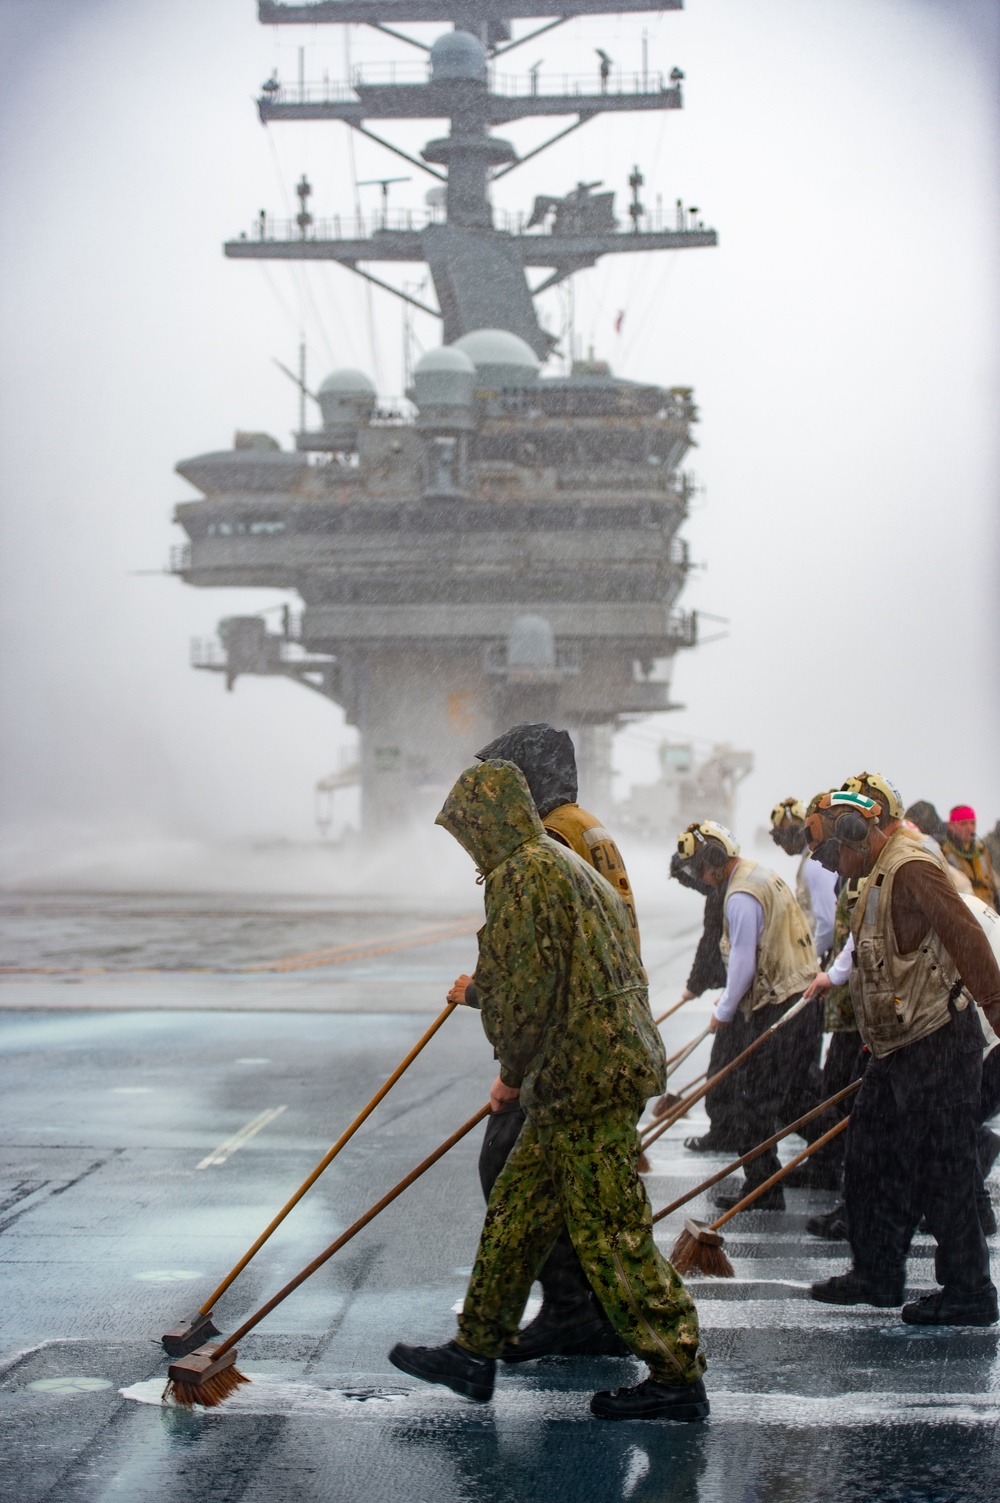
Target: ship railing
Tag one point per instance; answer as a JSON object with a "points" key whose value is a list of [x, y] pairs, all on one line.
{"points": [[270, 228], [179, 561], [325, 92], [684, 628], [393, 413], [564, 85], [508, 85]]}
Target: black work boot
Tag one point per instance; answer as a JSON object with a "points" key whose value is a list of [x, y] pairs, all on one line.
{"points": [[853, 1288], [652, 1400], [710, 1142], [831, 1225], [771, 1200], [451, 1364], [943, 1307], [578, 1330]]}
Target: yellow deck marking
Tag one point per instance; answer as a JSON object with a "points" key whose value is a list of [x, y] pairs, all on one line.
{"points": [[309, 960]]}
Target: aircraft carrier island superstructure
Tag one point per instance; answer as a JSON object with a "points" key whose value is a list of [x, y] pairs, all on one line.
{"points": [[506, 548]]}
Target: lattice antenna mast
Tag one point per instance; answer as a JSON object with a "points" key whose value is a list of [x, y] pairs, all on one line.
{"points": [[479, 266]]}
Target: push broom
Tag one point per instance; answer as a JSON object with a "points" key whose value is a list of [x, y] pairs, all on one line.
{"points": [[699, 1248], [687, 1102], [671, 1099], [195, 1329], [713, 1179], [673, 1063], [667, 1102], [209, 1375]]}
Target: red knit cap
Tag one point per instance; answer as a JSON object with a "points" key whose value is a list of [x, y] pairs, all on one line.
{"points": [[960, 813]]}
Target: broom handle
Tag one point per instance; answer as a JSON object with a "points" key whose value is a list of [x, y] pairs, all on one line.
{"points": [[707, 1184], [327, 1159], [352, 1231], [676, 1060], [690, 1085], [682, 1109], [671, 1010], [785, 1169]]}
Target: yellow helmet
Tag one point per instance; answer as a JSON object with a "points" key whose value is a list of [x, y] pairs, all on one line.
{"points": [[789, 810], [875, 786], [693, 841]]}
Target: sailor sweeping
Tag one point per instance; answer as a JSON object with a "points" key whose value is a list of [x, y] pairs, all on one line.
{"points": [[571, 1321], [563, 1000], [920, 957]]}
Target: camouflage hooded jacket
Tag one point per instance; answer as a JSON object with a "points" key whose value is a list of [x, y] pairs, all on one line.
{"points": [[561, 988]]}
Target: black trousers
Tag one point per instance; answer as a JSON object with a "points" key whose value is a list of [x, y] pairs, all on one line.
{"points": [[990, 1096], [723, 1101], [565, 1286], [845, 1062], [778, 1082], [911, 1150]]}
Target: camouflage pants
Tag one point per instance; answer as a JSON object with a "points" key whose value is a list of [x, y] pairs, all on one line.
{"points": [[581, 1173]]}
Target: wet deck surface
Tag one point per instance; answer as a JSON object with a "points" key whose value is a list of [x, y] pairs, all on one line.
{"points": [[110, 1231]]}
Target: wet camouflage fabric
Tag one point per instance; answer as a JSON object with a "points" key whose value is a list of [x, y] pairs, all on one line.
{"points": [[581, 1174], [561, 988], [838, 1009]]}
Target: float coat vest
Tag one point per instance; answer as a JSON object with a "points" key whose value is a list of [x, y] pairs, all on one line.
{"points": [[802, 892], [898, 999], [584, 833], [786, 955], [974, 861]]}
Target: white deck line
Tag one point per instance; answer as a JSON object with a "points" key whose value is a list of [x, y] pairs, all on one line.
{"points": [[239, 1139]]}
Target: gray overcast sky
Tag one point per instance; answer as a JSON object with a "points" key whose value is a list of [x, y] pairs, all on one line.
{"points": [[841, 341]]}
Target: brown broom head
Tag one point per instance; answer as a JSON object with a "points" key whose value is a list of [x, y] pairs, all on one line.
{"points": [[189, 1334], [664, 1105], [643, 1165], [203, 1378], [699, 1249]]}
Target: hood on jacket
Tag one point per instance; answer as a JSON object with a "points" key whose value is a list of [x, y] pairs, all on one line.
{"points": [[490, 812], [545, 756]]}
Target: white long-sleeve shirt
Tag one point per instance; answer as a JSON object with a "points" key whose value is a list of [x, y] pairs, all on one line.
{"points": [[745, 918], [822, 887], [840, 971]]}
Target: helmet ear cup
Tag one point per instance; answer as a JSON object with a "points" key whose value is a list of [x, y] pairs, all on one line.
{"points": [[714, 855], [852, 828]]}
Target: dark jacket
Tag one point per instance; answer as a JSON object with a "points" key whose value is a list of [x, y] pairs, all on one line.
{"points": [[545, 756]]}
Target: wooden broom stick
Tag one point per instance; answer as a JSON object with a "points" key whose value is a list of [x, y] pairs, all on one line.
{"points": [[352, 1231], [754, 1153], [687, 1102], [328, 1158]]}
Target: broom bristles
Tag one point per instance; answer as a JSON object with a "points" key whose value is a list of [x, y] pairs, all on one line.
{"points": [[209, 1394], [691, 1255]]}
